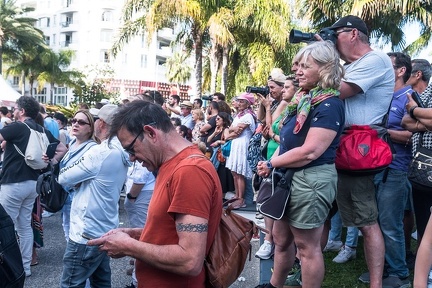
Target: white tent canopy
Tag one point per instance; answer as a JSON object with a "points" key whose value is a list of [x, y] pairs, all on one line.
{"points": [[8, 95]]}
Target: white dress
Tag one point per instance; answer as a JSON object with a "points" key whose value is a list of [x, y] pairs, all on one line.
{"points": [[237, 161]]}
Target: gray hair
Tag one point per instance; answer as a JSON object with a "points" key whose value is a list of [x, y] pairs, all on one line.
{"points": [[326, 56], [423, 66]]}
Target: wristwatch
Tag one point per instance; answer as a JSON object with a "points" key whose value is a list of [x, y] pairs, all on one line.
{"points": [[269, 165], [129, 196]]}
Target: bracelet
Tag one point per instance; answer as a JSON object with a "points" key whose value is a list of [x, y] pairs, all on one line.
{"points": [[411, 112]]}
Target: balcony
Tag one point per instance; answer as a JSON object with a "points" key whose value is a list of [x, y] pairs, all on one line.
{"points": [[68, 26], [166, 34], [69, 6], [69, 44]]}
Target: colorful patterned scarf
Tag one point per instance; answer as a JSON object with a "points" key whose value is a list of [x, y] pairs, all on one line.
{"points": [[302, 102]]}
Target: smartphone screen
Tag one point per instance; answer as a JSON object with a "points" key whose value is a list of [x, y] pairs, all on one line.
{"points": [[50, 152]]}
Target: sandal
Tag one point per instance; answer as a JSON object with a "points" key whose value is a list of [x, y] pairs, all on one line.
{"points": [[239, 203]]}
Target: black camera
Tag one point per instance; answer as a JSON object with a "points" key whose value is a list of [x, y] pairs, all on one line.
{"points": [[258, 90], [296, 36], [207, 97]]}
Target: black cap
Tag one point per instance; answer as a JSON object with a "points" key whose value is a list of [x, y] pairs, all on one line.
{"points": [[351, 21]]}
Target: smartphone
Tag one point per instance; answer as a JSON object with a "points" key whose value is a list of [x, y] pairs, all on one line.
{"points": [[50, 152], [85, 236], [417, 99]]}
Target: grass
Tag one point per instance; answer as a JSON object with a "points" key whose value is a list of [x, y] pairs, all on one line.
{"points": [[346, 275]]}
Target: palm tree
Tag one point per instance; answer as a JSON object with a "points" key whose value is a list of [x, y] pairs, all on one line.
{"points": [[15, 30], [141, 16], [54, 65], [178, 70], [27, 63], [384, 18]]}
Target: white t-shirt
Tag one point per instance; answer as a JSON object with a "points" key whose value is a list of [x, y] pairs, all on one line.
{"points": [[374, 74]]}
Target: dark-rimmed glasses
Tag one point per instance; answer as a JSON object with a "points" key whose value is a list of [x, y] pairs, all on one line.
{"points": [[79, 121], [342, 31], [130, 148]]}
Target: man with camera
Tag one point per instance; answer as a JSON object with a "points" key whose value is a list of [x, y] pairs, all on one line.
{"points": [[367, 89]]}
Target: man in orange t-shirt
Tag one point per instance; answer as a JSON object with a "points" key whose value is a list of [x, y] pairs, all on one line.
{"points": [[185, 208]]}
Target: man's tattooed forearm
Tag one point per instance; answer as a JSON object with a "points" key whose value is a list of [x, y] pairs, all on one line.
{"points": [[200, 228]]}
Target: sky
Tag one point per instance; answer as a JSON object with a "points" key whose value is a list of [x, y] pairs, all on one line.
{"points": [[412, 32]]}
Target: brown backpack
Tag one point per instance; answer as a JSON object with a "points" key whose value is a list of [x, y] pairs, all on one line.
{"points": [[231, 246]]}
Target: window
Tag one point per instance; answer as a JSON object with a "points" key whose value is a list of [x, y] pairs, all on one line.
{"points": [[105, 56], [143, 41], [54, 20], [47, 40], [143, 61], [15, 80], [54, 39], [106, 35], [106, 16], [48, 22]]}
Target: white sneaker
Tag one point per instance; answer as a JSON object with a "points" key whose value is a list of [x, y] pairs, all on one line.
{"points": [[229, 195], [414, 235], [345, 254], [266, 250], [333, 246], [46, 214]]}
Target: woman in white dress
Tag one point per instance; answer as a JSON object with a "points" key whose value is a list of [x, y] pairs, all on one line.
{"points": [[240, 131]]}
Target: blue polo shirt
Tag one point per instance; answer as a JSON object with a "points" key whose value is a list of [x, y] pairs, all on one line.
{"points": [[397, 111]]}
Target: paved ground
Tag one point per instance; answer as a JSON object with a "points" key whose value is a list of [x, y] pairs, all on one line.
{"points": [[48, 272]]}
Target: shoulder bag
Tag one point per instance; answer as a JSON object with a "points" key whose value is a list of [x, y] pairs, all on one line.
{"points": [[420, 170]]}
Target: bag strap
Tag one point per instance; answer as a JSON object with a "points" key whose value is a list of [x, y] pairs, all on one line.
{"points": [[16, 147]]}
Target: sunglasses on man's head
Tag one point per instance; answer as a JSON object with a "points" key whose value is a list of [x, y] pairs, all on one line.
{"points": [[79, 121]]}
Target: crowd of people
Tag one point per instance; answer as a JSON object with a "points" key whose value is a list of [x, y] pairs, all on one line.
{"points": [[149, 147]]}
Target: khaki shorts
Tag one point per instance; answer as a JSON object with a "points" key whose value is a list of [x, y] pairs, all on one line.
{"points": [[356, 200], [312, 193]]}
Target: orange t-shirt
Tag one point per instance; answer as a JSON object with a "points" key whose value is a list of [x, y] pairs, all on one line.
{"points": [[183, 186]]}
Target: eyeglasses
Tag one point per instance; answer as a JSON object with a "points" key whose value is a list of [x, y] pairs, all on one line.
{"points": [[79, 121], [130, 148], [342, 31]]}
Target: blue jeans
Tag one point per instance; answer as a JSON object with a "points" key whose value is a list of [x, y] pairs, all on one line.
{"points": [[336, 232], [392, 197], [82, 262], [248, 194]]}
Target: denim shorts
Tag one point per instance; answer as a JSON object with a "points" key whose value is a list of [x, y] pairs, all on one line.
{"points": [[312, 192], [356, 200]]}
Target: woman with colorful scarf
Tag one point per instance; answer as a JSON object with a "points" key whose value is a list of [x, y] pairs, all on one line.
{"points": [[240, 132], [309, 135]]}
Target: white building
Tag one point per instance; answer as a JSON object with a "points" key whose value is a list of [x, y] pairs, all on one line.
{"points": [[89, 27]]}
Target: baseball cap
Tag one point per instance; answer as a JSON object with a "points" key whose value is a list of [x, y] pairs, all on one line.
{"points": [[106, 113], [186, 104], [351, 21], [247, 96]]}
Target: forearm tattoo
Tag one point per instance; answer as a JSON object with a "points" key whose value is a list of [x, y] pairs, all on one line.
{"points": [[200, 228]]}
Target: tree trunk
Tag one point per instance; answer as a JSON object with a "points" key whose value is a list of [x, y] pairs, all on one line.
{"points": [[224, 80], [214, 65], [198, 61]]}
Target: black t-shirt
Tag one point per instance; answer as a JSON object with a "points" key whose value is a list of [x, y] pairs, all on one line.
{"points": [[14, 168]]}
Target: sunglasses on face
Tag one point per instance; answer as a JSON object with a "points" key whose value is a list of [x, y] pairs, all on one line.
{"points": [[79, 121]]}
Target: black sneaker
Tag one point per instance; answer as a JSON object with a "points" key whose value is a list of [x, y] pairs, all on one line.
{"points": [[410, 260], [130, 286]]}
